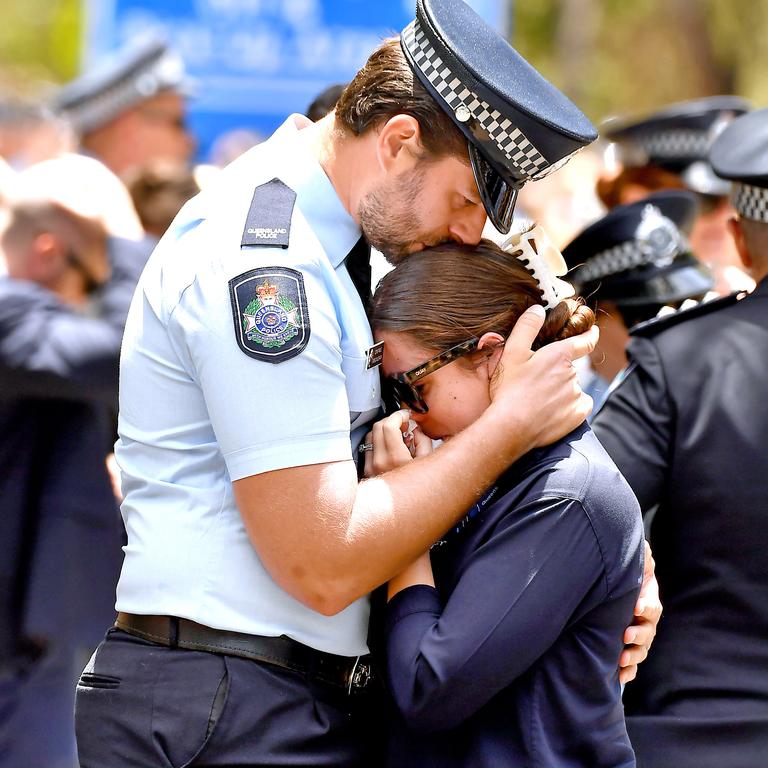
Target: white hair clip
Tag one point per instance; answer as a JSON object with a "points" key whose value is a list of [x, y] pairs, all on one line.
{"points": [[537, 254]]}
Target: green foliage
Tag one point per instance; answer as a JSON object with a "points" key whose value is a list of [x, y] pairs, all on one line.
{"points": [[619, 57], [39, 43]]}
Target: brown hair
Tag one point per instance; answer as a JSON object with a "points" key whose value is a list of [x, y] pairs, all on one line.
{"points": [[386, 87], [633, 183], [447, 294], [159, 190]]}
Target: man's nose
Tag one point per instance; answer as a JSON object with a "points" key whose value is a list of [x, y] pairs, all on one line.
{"points": [[467, 226]]}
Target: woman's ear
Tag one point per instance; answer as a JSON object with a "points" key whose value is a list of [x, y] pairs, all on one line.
{"points": [[493, 343], [398, 145]]}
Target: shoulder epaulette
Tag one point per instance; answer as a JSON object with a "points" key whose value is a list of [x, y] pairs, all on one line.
{"points": [[269, 217], [651, 327]]}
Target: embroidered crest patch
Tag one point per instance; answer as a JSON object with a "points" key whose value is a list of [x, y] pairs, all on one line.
{"points": [[269, 307]]}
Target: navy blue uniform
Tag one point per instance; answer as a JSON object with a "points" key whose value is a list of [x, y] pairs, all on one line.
{"points": [[513, 659], [687, 427], [60, 549]]}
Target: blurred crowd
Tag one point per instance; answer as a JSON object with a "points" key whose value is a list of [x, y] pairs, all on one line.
{"points": [[90, 181]]}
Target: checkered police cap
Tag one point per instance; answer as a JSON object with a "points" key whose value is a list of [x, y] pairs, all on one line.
{"points": [[740, 155], [510, 140], [519, 127], [639, 254], [677, 138], [132, 75]]}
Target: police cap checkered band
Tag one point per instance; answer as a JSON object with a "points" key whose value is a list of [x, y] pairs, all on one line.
{"points": [[674, 144], [513, 146], [751, 202], [620, 258]]}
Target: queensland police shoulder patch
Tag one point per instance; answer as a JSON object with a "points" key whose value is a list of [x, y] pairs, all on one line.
{"points": [[269, 307]]}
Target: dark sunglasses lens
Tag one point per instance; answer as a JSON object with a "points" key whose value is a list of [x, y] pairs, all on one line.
{"points": [[497, 195], [389, 396], [397, 395]]}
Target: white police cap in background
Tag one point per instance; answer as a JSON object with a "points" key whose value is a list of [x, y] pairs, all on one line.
{"points": [[135, 73], [518, 125]]}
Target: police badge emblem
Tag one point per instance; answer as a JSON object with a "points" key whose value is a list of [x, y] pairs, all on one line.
{"points": [[658, 237], [269, 307]]}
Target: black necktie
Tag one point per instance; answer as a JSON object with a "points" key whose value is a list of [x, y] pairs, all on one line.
{"points": [[358, 263]]}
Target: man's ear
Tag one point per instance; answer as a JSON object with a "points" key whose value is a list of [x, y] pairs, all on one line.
{"points": [[398, 145], [494, 343], [47, 256], [737, 233]]}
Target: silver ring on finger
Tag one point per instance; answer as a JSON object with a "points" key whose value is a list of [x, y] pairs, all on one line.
{"points": [[365, 447]]}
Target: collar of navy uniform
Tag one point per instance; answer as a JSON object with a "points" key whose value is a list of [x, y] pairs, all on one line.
{"points": [[316, 197]]}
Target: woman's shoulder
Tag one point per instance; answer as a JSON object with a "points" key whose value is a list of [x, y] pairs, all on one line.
{"points": [[578, 468]]}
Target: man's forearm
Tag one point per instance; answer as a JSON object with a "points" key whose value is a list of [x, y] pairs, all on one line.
{"points": [[398, 515]]}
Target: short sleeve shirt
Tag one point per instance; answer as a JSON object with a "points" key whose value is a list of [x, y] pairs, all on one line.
{"points": [[197, 412]]}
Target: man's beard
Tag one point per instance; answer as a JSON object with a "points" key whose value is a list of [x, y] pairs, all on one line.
{"points": [[388, 216]]}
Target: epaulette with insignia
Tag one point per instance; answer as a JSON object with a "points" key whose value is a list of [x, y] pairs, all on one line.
{"points": [[657, 324], [269, 217]]}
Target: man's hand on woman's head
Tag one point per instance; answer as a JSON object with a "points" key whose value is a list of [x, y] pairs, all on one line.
{"points": [[539, 391], [639, 636], [394, 444]]}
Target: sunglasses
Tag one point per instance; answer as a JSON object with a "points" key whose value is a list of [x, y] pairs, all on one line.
{"points": [[399, 390]]}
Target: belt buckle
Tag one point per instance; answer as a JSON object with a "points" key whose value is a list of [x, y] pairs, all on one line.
{"points": [[359, 676]]}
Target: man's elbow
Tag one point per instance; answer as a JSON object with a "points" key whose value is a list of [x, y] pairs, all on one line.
{"points": [[327, 596]]}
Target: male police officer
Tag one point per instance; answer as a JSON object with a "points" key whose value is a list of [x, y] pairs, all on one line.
{"points": [[248, 368], [129, 110], [687, 427], [631, 263]]}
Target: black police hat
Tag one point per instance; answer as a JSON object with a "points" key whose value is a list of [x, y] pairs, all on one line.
{"points": [[740, 155], [519, 126], [135, 73], [638, 254], [677, 138]]}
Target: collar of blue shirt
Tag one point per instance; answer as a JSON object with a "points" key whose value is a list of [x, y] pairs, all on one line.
{"points": [[315, 195]]}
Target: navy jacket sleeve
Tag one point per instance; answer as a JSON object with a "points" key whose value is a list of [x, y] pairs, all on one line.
{"points": [[518, 593], [49, 351], [635, 423]]}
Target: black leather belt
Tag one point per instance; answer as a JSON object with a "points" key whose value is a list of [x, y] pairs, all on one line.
{"points": [[350, 672]]}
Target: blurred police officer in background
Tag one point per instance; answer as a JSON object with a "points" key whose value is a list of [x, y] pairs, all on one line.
{"points": [[629, 264], [63, 304], [248, 379], [687, 427], [668, 149], [130, 109]]}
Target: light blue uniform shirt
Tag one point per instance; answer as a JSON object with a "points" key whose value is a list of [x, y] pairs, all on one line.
{"points": [[197, 413]]}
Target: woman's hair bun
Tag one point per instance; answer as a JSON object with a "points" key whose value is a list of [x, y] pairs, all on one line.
{"points": [[569, 318]]}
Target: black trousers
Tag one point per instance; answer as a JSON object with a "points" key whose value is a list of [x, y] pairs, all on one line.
{"points": [[145, 705]]}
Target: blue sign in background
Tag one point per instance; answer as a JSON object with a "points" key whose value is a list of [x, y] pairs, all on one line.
{"points": [[253, 62]]}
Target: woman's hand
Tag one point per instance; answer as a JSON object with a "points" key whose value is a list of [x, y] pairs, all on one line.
{"points": [[393, 444], [639, 636]]}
